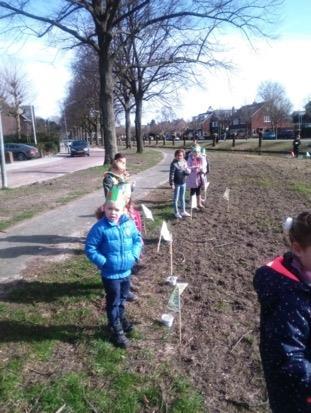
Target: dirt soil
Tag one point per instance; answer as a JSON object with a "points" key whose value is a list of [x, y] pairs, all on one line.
{"points": [[217, 253]]}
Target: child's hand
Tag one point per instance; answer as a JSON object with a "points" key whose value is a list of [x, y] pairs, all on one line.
{"points": [[173, 187]]}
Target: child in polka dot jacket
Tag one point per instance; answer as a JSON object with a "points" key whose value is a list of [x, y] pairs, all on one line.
{"points": [[284, 291]]}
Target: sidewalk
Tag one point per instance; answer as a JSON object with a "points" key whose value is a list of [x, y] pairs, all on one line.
{"points": [[60, 231]]}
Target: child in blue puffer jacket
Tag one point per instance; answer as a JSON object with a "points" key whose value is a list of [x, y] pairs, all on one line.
{"points": [[284, 291], [114, 245]]}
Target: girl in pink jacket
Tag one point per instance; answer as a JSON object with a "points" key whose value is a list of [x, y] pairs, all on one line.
{"points": [[194, 180]]}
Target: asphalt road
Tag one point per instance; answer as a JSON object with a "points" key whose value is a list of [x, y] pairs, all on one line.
{"points": [[37, 170]]}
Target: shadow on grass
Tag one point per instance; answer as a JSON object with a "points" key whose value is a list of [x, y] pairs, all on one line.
{"points": [[43, 239], [34, 250], [15, 331], [37, 291], [151, 241]]}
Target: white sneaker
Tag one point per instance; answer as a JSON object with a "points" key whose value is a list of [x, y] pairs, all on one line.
{"points": [[177, 215], [185, 214]]}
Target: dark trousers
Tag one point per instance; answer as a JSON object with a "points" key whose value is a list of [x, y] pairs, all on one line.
{"points": [[116, 293], [195, 191]]}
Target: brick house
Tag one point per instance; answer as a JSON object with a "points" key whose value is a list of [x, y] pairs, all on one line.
{"points": [[9, 123], [247, 120], [220, 120], [200, 124]]}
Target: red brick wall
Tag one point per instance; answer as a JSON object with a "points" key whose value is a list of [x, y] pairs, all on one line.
{"points": [[257, 121], [9, 125]]}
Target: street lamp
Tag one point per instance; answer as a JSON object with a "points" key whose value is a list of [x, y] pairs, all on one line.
{"points": [[3, 169]]}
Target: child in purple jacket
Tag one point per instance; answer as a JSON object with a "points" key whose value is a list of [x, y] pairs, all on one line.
{"points": [[194, 180]]}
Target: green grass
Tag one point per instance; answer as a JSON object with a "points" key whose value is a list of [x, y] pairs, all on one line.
{"points": [[55, 352], [249, 145], [18, 218], [160, 212], [302, 188], [265, 183]]}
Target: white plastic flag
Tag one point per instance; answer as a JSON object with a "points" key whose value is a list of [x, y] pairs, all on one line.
{"points": [[194, 203], [308, 154], [165, 234], [147, 213], [174, 302], [226, 194]]}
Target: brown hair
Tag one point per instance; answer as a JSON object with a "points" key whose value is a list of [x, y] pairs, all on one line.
{"points": [[300, 230], [118, 156], [100, 212], [178, 151]]}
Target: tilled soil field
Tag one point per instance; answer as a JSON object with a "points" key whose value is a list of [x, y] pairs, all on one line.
{"points": [[217, 253]]}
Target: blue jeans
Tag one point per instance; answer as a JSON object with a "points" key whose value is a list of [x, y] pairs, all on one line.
{"points": [[116, 293], [179, 198]]}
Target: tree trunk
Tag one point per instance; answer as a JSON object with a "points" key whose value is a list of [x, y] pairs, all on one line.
{"points": [[106, 104], [128, 138], [18, 126], [138, 115]]}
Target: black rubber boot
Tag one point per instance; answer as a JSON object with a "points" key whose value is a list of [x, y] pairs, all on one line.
{"points": [[127, 325], [131, 297], [119, 337]]}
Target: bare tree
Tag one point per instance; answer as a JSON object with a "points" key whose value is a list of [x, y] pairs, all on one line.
{"points": [[81, 107], [277, 105], [97, 23], [15, 90]]}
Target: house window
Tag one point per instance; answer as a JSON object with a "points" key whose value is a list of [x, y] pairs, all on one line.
{"points": [[266, 119], [214, 124]]}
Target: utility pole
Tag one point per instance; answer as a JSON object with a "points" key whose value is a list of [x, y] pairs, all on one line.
{"points": [[33, 124], [3, 170]]}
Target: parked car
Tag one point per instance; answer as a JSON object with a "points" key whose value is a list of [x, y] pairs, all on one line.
{"points": [[268, 135], [21, 151], [79, 148], [286, 134]]}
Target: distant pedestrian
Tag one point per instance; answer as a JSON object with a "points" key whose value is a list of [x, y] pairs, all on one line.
{"points": [[113, 244], [284, 291], [296, 145], [177, 179]]}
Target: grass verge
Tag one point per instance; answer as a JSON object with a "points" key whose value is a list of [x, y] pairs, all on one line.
{"points": [[22, 203], [55, 353]]}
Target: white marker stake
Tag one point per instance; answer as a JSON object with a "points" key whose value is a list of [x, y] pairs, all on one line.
{"points": [[174, 302], [147, 212], [165, 234], [147, 215], [226, 196]]}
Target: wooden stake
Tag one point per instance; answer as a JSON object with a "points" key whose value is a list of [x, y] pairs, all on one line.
{"points": [[171, 254], [179, 304], [145, 226], [158, 249]]}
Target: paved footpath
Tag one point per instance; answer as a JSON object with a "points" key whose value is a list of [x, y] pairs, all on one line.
{"points": [[60, 231]]}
